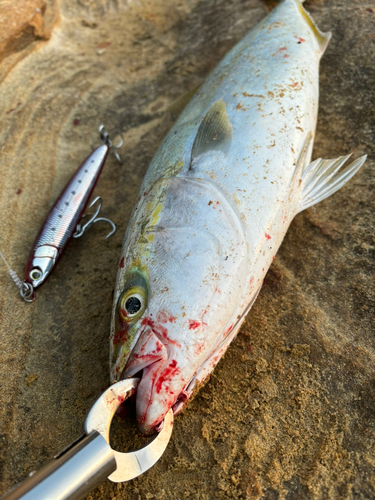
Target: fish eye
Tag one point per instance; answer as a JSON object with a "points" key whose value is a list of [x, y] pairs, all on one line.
{"points": [[132, 304]]}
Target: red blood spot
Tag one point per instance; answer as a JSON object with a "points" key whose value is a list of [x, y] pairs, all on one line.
{"points": [[295, 84], [286, 56], [76, 122], [267, 236], [229, 329], [122, 263], [159, 330], [193, 324], [164, 317], [217, 203], [104, 45], [198, 348], [19, 104], [121, 336], [249, 348], [166, 375], [124, 313], [281, 49], [19, 191], [120, 399]]}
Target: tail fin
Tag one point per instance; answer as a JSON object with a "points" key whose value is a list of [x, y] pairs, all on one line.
{"points": [[321, 178], [322, 38]]}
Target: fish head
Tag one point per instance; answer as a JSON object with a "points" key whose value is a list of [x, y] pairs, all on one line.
{"points": [[170, 308]]}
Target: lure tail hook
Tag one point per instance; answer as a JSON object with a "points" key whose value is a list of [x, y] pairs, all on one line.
{"points": [[104, 136], [93, 220]]}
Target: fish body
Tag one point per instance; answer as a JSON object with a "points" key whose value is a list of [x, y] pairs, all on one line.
{"points": [[62, 221], [214, 207]]}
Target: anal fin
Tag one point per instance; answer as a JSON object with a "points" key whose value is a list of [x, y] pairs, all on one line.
{"points": [[321, 178]]}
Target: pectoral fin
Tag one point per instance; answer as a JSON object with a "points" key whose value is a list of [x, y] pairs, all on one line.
{"points": [[321, 178], [215, 132]]}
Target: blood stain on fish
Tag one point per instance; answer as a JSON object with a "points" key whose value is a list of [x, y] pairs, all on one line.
{"points": [[159, 330], [121, 336], [167, 374], [164, 317], [193, 324]]}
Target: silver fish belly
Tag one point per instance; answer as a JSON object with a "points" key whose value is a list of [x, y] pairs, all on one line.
{"points": [[214, 207]]}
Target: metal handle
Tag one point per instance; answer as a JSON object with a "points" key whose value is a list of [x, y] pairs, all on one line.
{"points": [[90, 460], [71, 475]]}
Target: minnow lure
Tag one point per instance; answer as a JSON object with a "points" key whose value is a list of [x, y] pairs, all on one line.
{"points": [[64, 220], [214, 207]]}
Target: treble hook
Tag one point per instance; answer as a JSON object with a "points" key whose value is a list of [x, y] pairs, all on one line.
{"points": [[80, 229], [104, 136]]}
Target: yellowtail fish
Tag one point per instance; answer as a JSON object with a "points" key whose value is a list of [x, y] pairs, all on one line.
{"points": [[214, 207]]}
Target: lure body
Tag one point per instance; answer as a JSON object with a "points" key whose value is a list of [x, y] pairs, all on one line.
{"points": [[62, 221], [214, 207]]}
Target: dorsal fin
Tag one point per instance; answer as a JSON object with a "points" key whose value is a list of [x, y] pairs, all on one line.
{"points": [[215, 132]]}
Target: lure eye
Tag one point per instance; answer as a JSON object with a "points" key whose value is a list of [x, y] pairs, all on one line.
{"points": [[35, 274], [132, 304]]}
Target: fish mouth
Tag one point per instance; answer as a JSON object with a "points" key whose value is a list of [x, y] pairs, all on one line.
{"points": [[160, 386], [148, 350]]}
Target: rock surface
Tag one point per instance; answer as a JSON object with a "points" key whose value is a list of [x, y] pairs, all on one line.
{"points": [[290, 411]]}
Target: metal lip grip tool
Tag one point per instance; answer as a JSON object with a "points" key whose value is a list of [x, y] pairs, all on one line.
{"points": [[83, 465]]}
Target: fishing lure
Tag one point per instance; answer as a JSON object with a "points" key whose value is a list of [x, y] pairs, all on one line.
{"points": [[65, 219], [214, 207]]}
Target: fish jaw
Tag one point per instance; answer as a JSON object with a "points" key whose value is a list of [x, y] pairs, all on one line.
{"points": [[166, 372], [157, 392], [163, 362], [160, 384]]}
